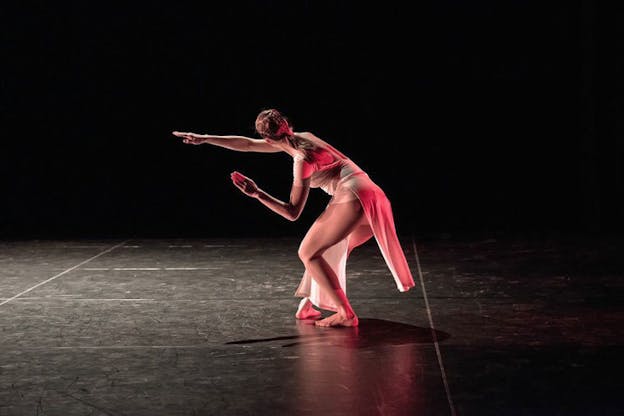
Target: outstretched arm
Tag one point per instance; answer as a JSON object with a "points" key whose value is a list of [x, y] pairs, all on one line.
{"points": [[290, 210], [238, 143]]}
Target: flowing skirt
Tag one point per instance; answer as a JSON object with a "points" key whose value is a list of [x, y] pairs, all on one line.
{"points": [[378, 212]]}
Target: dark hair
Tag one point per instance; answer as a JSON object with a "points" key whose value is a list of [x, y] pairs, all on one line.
{"points": [[273, 124]]}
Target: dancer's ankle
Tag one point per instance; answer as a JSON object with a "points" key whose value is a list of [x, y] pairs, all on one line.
{"points": [[345, 309]]}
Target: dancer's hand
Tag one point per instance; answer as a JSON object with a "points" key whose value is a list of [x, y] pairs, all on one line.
{"points": [[190, 138], [245, 184]]}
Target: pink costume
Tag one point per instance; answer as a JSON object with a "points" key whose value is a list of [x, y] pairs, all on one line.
{"points": [[345, 181]]}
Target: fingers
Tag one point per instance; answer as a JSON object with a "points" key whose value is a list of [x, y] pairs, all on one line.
{"points": [[246, 188], [186, 136], [189, 138], [183, 134], [238, 176], [241, 186], [240, 179], [246, 185]]}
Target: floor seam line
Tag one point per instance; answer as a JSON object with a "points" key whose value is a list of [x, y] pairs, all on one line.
{"points": [[62, 273], [433, 332]]}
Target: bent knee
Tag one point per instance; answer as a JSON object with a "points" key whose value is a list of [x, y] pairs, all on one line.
{"points": [[307, 253], [304, 254]]}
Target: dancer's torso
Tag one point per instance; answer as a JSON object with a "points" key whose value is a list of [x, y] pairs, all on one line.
{"points": [[331, 168]]}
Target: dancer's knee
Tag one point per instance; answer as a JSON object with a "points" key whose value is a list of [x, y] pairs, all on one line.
{"points": [[307, 254]]}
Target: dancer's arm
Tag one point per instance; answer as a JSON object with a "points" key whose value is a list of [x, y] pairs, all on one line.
{"points": [[290, 210], [238, 143]]}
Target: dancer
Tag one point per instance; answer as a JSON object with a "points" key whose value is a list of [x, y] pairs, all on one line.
{"points": [[357, 211]]}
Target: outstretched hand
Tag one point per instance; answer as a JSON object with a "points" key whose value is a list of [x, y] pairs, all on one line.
{"points": [[245, 184], [190, 138]]}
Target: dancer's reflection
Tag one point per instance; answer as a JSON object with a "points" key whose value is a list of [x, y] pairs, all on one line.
{"points": [[380, 379]]}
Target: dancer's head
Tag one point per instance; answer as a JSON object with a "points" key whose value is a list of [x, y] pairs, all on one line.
{"points": [[272, 125]]}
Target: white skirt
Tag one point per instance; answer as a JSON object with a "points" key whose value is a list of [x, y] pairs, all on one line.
{"points": [[378, 212]]}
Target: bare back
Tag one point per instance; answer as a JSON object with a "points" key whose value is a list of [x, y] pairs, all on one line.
{"points": [[323, 153]]}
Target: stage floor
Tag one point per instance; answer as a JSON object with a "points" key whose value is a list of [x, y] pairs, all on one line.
{"points": [[495, 326]]}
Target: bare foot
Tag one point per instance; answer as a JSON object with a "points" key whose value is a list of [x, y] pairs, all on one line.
{"points": [[338, 319], [306, 311]]}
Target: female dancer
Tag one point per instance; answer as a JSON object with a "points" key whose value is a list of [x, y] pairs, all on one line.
{"points": [[357, 211]]}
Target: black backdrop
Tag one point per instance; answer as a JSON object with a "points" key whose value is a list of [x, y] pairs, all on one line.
{"points": [[473, 116]]}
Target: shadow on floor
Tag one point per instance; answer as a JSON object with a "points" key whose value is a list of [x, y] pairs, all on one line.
{"points": [[370, 333]]}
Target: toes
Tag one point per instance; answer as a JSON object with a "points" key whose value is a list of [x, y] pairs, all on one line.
{"points": [[337, 320], [322, 322], [308, 316], [329, 321]]}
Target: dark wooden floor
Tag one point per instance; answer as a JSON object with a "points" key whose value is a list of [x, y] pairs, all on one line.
{"points": [[501, 326]]}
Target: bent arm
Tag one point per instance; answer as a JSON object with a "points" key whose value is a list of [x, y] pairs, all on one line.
{"points": [[292, 209]]}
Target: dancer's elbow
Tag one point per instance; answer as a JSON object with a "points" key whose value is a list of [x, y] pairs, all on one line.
{"points": [[292, 217], [294, 213]]}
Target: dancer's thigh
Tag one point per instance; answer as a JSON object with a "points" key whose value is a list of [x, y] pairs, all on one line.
{"points": [[335, 223], [361, 234]]}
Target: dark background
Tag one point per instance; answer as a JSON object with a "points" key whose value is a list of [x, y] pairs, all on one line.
{"points": [[480, 116]]}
